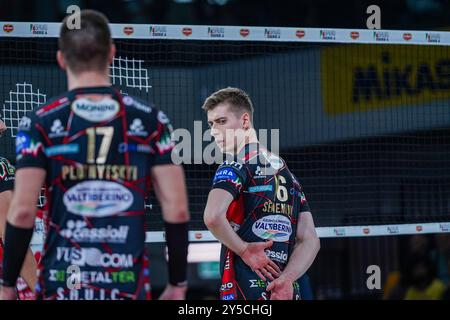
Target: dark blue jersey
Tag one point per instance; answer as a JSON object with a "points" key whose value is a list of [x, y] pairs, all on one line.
{"points": [[97, 148], [268, 200], [6, 175]]}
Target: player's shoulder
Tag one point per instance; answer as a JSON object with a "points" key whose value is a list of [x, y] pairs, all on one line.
{"points": [[135, 104], [52, 106], [233, 163]]}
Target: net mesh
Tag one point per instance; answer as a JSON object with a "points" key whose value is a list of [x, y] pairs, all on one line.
{"points": [[364, 127]]}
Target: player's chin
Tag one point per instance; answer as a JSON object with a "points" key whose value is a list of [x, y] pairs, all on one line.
{"points": [[221, 146]]}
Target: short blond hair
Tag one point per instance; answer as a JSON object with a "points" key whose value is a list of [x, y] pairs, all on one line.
{"points": [[238, 100]]}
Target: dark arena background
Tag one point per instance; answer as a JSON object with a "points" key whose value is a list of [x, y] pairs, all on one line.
{"points": [[363, 117]]}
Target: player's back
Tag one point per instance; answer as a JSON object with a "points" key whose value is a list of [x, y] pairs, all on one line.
{"points": [[97, 147]]}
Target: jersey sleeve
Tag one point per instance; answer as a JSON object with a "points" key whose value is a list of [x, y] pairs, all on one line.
{"points": [[231, 177], [163, 143], [30, 144], [304, 206], [6, 175]]}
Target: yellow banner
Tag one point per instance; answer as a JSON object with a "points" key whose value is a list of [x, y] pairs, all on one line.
{"points": [[365, 77]]}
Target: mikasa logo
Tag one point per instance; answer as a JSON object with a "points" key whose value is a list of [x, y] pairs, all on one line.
{"points": [[95, 111]]}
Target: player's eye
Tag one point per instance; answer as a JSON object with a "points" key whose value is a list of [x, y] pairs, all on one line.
{"points": [[222, 121], [210, 124]]}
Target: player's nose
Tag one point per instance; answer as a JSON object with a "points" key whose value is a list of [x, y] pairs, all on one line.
{"points": [[215, 133]]}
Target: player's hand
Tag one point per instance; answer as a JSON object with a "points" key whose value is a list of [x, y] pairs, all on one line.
{"points": [[281, 289], [173, 293], [255, 257], [8, 293]]}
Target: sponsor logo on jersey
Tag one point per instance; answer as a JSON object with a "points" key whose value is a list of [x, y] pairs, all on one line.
{"points": [[95, 277], [57, 129], [279, 256], [6, 169], [444, 227], [263, 188], [132, 147], [22, 142], [226, 286], [90, 294], [162, 117], [26, 146], [229, 175], [276, 207], [137, 128], [232, 164], [273, 163], [61, 149], [97, 199], [257, 283], [102, 172], [298, 193], [95, 111], [165, 143], [228, 297], [275, 227], [78, 231], [93, 257], [129, 101], [24, 124]]}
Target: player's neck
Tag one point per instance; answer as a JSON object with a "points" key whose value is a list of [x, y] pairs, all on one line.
{"points": [[249, 138], [87, 79]]}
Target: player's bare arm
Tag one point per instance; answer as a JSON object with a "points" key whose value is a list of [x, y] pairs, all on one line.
{"points": [[29, 269], [252, 253], [170, 190], [305, 251], [20, 222]]}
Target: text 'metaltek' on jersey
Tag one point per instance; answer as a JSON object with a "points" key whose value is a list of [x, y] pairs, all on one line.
{"points": [[97, 147]]}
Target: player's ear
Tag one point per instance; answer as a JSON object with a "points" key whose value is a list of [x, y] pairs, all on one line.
{"points": [[2, 126], [60, 59], [112, 53], [246, 121]]}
